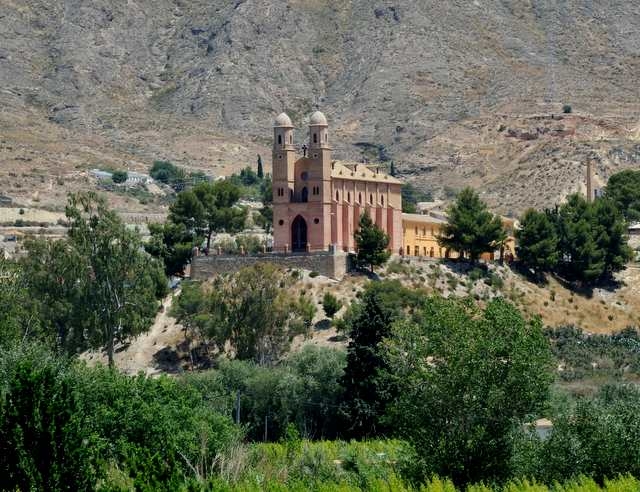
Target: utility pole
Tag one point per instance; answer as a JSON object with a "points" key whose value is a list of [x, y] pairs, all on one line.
{"points": [[590, 179]]}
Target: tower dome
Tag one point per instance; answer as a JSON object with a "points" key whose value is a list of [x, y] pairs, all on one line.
{"points": [[318, 118], [283, 120]]}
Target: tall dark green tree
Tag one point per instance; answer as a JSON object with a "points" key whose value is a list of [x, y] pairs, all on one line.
{"points": [[623, 189], [372, 243], [55, 274], [582, 258], [173, 244], [611, 235], [189, 210], [121, 282], [260, 172], [471, 229], [537, 242], [221, 210], [368, 322]]}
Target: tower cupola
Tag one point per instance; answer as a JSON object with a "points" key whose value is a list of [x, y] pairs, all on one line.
{"points": [[282, 132], [318, 131]]}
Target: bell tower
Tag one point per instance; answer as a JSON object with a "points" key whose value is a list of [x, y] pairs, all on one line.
{"points": [[283, 159], [320, 155]]}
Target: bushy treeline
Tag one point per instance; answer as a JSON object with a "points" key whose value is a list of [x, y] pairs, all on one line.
{"points": [[591, 355], [579, 240], [64, 426], [452, 386], [92, 289]]}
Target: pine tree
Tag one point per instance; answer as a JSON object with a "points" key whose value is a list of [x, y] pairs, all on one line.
{"points": [[392, 169], [471, 229], [623, 189], [368, 322], [260, 172], [537, 241], [372, 243]]}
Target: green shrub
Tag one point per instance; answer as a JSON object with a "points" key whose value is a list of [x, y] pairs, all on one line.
{"points": [[330, 304], [566, 109], [66, 426], [313, 274], [119, 176]]}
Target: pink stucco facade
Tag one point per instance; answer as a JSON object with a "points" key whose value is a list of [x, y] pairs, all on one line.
{"points": [[318, 201]]}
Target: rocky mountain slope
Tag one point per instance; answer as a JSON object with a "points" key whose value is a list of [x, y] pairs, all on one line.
{"points": [[456, 92]]}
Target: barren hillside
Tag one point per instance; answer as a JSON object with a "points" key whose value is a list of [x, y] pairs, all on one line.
{"points": [[456, 92]]}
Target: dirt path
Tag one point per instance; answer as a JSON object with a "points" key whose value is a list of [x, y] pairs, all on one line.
{"points": [[139, 354]]}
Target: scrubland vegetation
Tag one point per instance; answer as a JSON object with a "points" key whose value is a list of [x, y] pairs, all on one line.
{"points": [[431, 393]]}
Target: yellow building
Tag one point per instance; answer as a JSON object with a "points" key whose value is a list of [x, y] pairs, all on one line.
{"points": [[420, 237]]}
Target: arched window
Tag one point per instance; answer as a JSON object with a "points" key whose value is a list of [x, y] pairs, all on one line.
{"points": [[290, 138], [349, 197], [315, 138], [359, 198], [408, 250], [279, 139], [305, 194], [371, 199], [382, 200], [326, 137], [337, 196]]}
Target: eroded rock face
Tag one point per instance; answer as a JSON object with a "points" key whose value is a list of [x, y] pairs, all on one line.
{"points": [[425, 83]]}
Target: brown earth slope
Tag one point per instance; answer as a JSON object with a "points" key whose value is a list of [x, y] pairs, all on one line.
{"points": [[455, 92]]}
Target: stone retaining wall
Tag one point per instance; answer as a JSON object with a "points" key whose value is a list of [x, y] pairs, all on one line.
{"points": [[332, 265]]}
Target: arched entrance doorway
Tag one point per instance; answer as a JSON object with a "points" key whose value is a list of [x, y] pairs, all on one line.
{"points": [[299, 234]]}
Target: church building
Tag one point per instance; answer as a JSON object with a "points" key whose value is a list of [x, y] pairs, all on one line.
{"points": [[318, 201]]}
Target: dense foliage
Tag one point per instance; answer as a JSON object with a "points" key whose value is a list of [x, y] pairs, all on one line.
{"points": [[411, 196], [67, 427], [623, 189], [463, 377], [599, 438], [471, 229], [119, 176], [372, 243], [252, 311], [302, 393], [580, 240], [94, 288], [537, 241], [458, 383], [195, 215], [368, 322]]}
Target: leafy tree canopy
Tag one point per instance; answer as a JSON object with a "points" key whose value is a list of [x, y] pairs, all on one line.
{"points": [[623, 189], [119, 176], [372, 243], [253, 310], [471, 229], [97, 287], [537, 241], [367, 322], [464, 379]]}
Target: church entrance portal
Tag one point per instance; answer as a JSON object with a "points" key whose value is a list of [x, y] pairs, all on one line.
{"points": [[299, 234]]}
